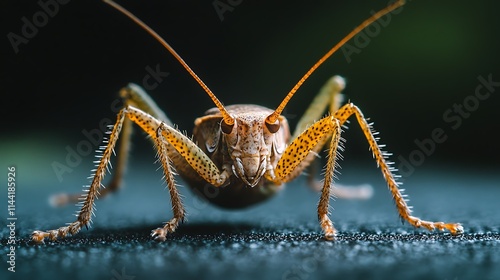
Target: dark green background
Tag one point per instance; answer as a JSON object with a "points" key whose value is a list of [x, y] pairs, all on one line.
{"points": [[423, 62]]}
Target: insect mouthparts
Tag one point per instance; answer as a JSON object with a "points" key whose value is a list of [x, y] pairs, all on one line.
{"points": [[249, 169]]}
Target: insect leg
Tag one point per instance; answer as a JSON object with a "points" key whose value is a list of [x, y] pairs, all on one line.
{"points": [[299, 151], [132, 95], [329, 98], [84, 217], [401, 204], [193, 155], [177, 208], [325, 222]]}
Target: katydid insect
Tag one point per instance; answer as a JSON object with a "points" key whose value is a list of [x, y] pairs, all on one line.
{"points": [[246, 151]]}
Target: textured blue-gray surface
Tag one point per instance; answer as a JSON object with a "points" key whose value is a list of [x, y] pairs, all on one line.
{"points": [[279, 239]]}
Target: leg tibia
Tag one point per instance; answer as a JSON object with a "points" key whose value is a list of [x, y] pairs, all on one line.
{"points": [[119, 171], [87, 208], [132, 95], [311, 140], [325, 222], [404, 211], [177, 207]]}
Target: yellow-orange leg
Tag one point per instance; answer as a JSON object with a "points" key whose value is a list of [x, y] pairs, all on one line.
{"points": [[330, 126], [162, 135], [177, 208], [329, 99], [132, 95], [403, 209], [84, 217], [300, 148], [324, 221]]}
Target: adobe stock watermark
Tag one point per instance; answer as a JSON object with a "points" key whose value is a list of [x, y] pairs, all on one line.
{"points": [[30, 27], [93, 138], [154, 77], [12, 218], [223, 6], [363, 38], [454, 117]]}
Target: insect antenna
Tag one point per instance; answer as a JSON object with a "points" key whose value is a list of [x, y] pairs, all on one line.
{"points": [[271, 119], [228, 120]]}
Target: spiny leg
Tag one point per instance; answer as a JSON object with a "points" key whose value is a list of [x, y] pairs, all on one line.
{"points": [[177, 208], [132, 95], [188, 150], [314, 137], [325, 222], [403, 209], [87, 205], [299, 151], [193, 155], [329, 98], [84, 217], [119, 170]]}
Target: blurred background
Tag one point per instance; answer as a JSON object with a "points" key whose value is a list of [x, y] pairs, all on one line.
{"points": [[428, 77], [415, 74]]}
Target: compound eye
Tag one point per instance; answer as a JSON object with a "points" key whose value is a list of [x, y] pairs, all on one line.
{"points": [[273, 127], [226, 128]]}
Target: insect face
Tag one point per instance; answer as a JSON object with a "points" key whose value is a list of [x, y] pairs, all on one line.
{"points": [[252, 144]]}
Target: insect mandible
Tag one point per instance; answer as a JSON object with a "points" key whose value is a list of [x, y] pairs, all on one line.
{"points": [[245, 151]]}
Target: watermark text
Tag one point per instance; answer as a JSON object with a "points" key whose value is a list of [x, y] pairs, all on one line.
{"points": [[11, 218]]}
